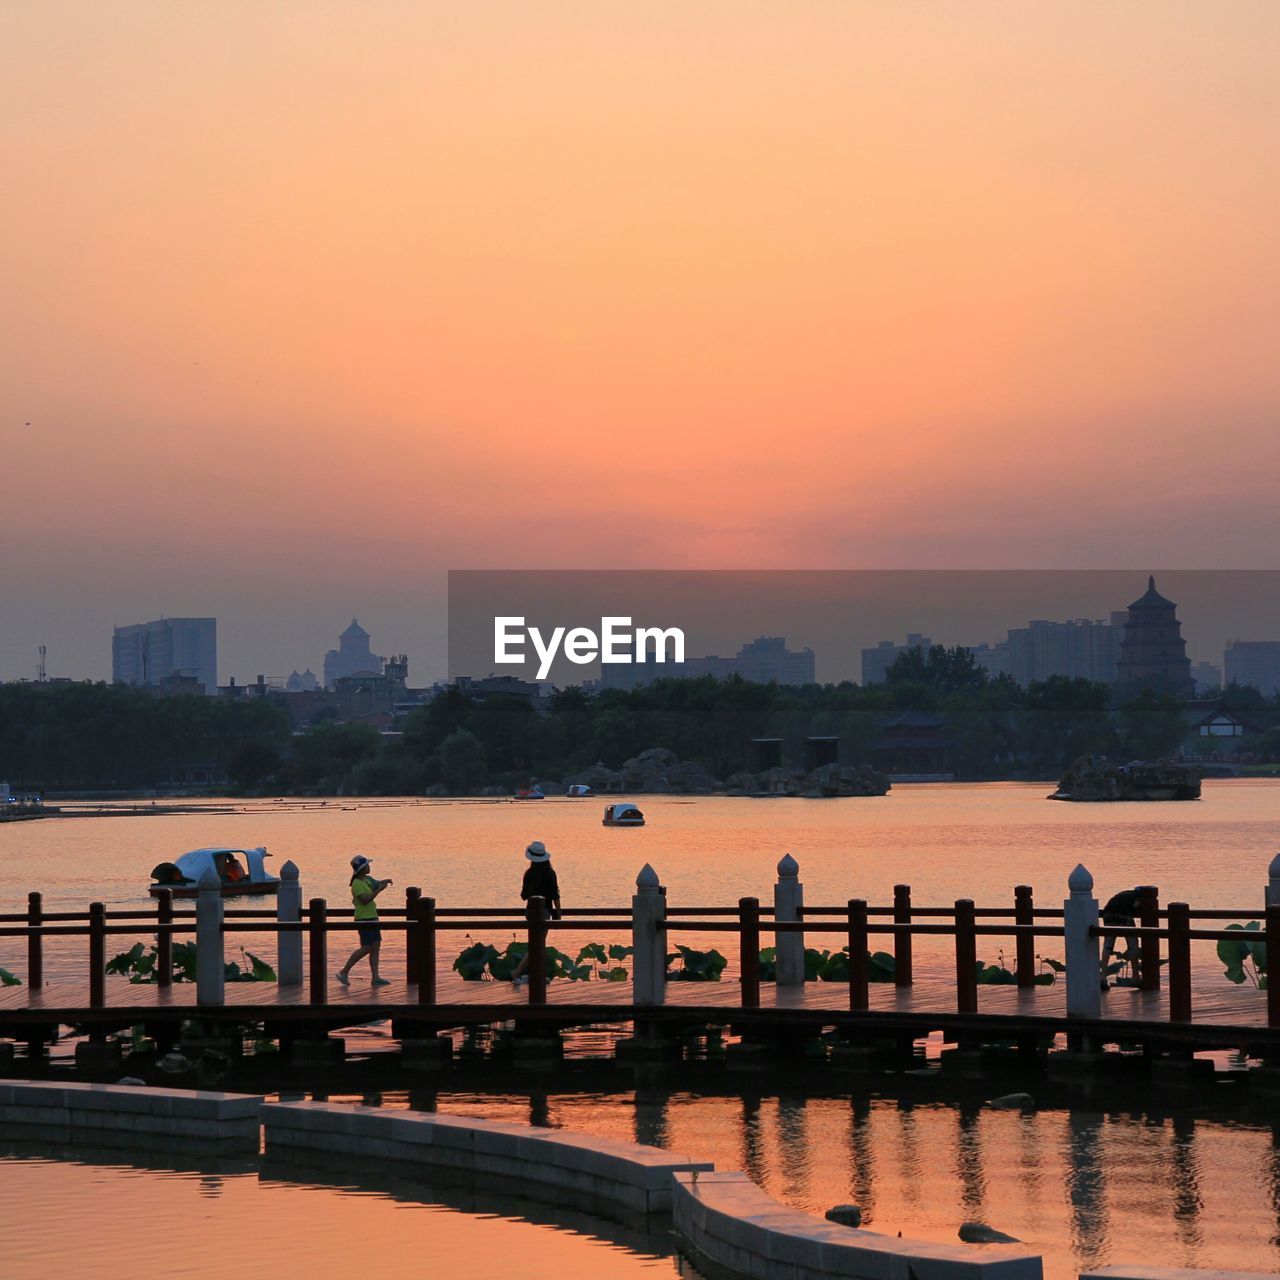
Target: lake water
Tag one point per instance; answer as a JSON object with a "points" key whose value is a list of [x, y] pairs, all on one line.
{"points": [[1088, 1181], [69, 1217]]}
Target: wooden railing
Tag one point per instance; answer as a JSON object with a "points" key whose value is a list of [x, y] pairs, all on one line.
{"points": [[857, 925]]}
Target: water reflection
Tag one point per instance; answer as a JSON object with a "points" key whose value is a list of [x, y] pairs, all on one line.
{"points": [[1086, 1187]]}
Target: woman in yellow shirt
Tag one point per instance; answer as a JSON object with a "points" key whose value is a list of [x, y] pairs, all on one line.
{"points": [[364, 891]]}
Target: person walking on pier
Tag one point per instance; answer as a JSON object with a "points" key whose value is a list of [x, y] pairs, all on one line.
{"points": [[539, 882], [1119, 910], [364, 892]]}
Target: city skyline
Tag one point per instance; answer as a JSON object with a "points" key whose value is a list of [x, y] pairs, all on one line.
{"points": [[696, 287]]}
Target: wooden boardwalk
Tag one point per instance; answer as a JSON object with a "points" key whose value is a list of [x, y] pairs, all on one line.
{"points": [[1224, 1016]]}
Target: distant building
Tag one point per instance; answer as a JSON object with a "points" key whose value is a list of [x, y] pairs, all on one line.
{"points": [[1255, 662], [351, 657], [1153, 653], [1206, 676], [914, 744], [876, 662], [305, 682], [150, 653]]}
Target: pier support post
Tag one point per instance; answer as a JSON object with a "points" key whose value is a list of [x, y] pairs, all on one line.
{"points": [[788, 908], [289, 941], [211, 976], [1079, 918], [648, 939]]}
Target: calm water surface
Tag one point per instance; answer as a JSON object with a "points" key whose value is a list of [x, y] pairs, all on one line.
{"points": [[1091, 1183]]}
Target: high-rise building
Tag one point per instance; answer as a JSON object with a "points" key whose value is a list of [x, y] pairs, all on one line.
{"points": [[153, 653], [1255, 662], [1153, 652], [351, 657], [1206, 677], [876, 662]]}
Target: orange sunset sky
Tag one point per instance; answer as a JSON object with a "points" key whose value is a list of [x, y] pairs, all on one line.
{"points": [[304, 303]]}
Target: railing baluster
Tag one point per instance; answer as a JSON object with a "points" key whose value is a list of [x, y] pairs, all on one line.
{"points": [[164, 938], [966, 957], [318, 948], [1025, 943], [1273, 949], [858, 966], [35, 942], [1149, 948], [537, 913], [411, 897], [749, 950], [423, 948], [902, 975], [97, 955], [1179, 962]]}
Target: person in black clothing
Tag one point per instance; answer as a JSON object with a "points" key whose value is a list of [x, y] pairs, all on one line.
{"points": [[1119, 910], [539, 882]]}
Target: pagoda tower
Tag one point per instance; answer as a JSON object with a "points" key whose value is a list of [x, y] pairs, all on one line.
{"points": [[1153, 652]]}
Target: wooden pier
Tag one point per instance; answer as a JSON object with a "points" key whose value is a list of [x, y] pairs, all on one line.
{"points": [[1174, 1008]]}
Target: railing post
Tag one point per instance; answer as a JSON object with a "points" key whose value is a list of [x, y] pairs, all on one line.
{"points": [[788, 907], [749, 950], [1149, 947], [35, 942], [164, 938], [1273, 949], [97, 955], [422, 947], [902, 976], [1271, 895], [289, 941], [648, 939], [1025, 943], [537, 914], [966, 957], [412, 895], [858, 966], [211, 965], [1179, 962], [318, 950], [1079, 919]]}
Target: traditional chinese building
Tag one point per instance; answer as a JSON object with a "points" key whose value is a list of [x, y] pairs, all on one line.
{"points": [[1153, 652]]}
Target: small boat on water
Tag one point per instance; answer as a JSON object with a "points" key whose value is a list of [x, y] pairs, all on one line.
{"points": [[579, 790], [530, 793], [623, 814], [239, 871]]}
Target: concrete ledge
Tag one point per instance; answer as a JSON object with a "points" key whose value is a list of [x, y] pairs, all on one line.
{"points": [[608, 1172], [104, 1113], [740, 1230]]}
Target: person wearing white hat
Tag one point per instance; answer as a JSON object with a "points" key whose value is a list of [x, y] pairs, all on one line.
{"points": [[364, 890], [539, 882]]}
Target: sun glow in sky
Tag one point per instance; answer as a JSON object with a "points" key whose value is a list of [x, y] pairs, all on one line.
{"points": [[305, 303]]}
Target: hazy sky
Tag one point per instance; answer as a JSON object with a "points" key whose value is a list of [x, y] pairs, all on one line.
{"points": [[302, 304]]}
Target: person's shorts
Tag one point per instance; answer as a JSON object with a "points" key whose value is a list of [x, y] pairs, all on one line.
{"points": [[370, 934]]}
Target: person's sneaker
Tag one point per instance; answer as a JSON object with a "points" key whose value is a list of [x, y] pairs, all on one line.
{"points": [[342, 978], [382, 982]]}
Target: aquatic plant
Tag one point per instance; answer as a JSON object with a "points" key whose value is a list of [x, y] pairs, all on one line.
{"points": [[695, 966], [8, 979], [138, 964], [482, 962], [1245, 957]]}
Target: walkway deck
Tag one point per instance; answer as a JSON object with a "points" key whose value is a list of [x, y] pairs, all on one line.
{"points": [[1224, 1016]]}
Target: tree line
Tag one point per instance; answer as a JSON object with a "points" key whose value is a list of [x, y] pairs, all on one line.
{"points": [[99, 736]]}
